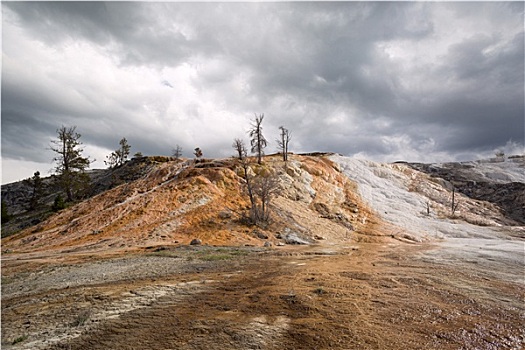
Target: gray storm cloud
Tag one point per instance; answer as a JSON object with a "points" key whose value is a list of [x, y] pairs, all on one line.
{"points": [[413, 80]]}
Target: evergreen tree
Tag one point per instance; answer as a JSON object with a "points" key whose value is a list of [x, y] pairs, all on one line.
{"points": [[119, 156], [58, 203], [70, 164], [5, 215], [37, 188]]}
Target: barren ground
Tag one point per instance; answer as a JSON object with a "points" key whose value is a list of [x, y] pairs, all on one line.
{"points": [[116, 271], [388, 295]]}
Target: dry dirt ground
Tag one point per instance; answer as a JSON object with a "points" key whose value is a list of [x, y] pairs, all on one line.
{"points": [[383, 295]]}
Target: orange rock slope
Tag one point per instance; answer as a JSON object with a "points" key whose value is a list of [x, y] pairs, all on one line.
{"points": [[178, 201]]}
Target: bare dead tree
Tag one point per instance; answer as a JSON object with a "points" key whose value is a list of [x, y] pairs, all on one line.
{"points": [[260, 188], [242, 154], [283, 141], [454, 205], [240, 148], [177, 152], [264, 189], [258, 142]]}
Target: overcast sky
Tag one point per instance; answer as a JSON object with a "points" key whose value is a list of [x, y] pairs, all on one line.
{"points": [[386, 81]]}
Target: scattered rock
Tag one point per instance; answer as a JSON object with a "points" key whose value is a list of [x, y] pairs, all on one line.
{"points": [[268, 244], [322, 209], [293, 238], [259, 234], [319, 238], [225, 214], [195, 241]]}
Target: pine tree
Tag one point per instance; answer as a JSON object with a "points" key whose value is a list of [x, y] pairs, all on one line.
{"points": [[5, 214], [119, 156], [58, 203], [70, 164], [37, 190]]}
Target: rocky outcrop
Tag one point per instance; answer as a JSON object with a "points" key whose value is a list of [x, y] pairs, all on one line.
{"points": [[492, 184]]}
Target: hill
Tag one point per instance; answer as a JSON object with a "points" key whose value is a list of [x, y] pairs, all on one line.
{"points": [[174, 202], [153, 201]]}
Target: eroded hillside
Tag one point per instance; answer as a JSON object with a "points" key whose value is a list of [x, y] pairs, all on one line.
{"points": [[178, 201]]}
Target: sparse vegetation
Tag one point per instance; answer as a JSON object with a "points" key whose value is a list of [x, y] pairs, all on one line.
{"points": [[19, 339], [71, 165], [260, 188], [5, 214], [37, 190], [58, 203], [81, 318], [264, 189], [6, 280], [119, 156]]}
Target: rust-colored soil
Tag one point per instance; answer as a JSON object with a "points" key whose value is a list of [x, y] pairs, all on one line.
{"points": [[366, 296]]}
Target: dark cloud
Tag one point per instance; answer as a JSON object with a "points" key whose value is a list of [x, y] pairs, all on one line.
{"points": [[387, 80]]}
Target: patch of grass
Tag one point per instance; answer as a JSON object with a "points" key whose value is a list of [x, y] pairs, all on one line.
{"points": [[6, 280], [19, 339], [216, 257], [164, 253], [81, 318]]}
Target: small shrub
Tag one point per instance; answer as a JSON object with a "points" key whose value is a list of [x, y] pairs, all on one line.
{"points": [[5, 214], [58, 204], [19, 339], [81, 318]]}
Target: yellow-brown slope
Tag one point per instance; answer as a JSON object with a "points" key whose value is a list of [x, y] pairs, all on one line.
{"points": [[179, 201]]}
